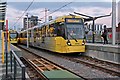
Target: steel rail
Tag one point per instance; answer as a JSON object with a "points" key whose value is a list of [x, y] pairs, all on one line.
{"points": [[61, 67], [93, 65]]}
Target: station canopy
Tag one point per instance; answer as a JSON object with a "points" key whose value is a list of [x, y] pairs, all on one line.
{"points": [[2, 14]]}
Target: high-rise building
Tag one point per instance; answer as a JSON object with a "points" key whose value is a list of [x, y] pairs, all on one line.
{"points": [[3, 5], [32, 21]]}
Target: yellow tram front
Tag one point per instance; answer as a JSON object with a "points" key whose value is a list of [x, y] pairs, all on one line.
{"points": [[75, 34], [13, 36], [70, 36]]}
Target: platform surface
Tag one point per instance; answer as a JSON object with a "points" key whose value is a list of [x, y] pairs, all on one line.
{"points": [[14, 48], [0, 46], [0, 59], [2, 66], [107, 52], [104, 45]]}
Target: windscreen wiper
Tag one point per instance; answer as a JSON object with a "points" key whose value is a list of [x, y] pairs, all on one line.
{"points": [[72, 37]]}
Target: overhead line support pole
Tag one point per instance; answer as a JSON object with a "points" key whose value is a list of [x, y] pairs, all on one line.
{"points": [[27, 32], [113, 22], [93, 39]]}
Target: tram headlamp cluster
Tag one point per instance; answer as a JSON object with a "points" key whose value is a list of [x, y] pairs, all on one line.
{"points": [[13, 39], [68, 43], [83, 42]]}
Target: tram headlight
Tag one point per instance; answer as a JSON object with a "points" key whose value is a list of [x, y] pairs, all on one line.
{"points": [[83, 42], [68, 43]]}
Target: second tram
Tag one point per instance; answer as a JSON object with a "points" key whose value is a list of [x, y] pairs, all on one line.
{"points": [[13, 35]]}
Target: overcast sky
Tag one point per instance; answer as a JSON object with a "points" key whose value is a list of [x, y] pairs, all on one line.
{"points": [[59, 0], [100, 7]]}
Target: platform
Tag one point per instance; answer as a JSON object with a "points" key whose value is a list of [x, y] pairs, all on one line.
{"points": [[0, 59], [16, 50], [3, 66], [106, 52]]}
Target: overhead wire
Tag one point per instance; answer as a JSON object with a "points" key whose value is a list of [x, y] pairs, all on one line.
{"points": [[23, 13], [41, 11], [58, 9]]}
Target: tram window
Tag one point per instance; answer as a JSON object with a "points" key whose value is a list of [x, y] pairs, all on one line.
{"points": [[63, 31], [13, 35], [29, 33], [25, 35], [21, 35], [58, 32]]}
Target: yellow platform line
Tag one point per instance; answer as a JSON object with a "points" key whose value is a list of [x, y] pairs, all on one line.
{"points": [[3, 47]]}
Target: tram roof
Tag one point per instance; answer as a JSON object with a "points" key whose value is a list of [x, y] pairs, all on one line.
{"points": [[58, 19], [62, 18]]}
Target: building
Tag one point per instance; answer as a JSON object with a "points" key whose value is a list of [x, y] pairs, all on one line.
{"points": [[2, 14], [117, 28], [117, 33], [98, 28], [32, 21]]}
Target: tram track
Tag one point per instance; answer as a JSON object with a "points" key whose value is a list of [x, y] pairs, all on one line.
{"points": [[76, 60], [108, 67], [40, 64], [32, 71], [105, 66]]}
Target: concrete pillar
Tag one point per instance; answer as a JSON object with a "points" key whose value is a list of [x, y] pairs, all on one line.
{"points": [[113, 22]]}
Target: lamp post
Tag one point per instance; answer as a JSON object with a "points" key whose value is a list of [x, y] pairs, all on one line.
{"points": [[27, 31], [46, 14]]}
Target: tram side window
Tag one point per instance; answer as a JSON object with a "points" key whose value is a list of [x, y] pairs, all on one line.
{"points": [[25, 36], [63, 32], [30, 33], [59, 30], [51, 30], [21, 35]]}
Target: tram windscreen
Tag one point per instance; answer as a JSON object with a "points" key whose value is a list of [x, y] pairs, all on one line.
{"points": [[13, 35], [75, 31]]}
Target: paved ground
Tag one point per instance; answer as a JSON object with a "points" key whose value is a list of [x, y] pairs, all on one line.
{"points": [[105, 45], [0, 59]]}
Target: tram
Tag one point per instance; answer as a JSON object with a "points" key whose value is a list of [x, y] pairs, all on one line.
{"points": [[65, 34], [13, 35]]}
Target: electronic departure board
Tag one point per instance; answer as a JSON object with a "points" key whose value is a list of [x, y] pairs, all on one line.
{"points": [[73, 20]]}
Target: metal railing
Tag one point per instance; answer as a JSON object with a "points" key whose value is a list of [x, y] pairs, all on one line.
{"points": [[16, 60]]}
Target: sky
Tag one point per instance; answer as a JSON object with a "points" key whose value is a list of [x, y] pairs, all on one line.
{"points": [[88, 7], [118, 9], [59, 0]]}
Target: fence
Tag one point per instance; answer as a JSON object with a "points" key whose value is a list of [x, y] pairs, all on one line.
{"points": [[14, 63]]}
